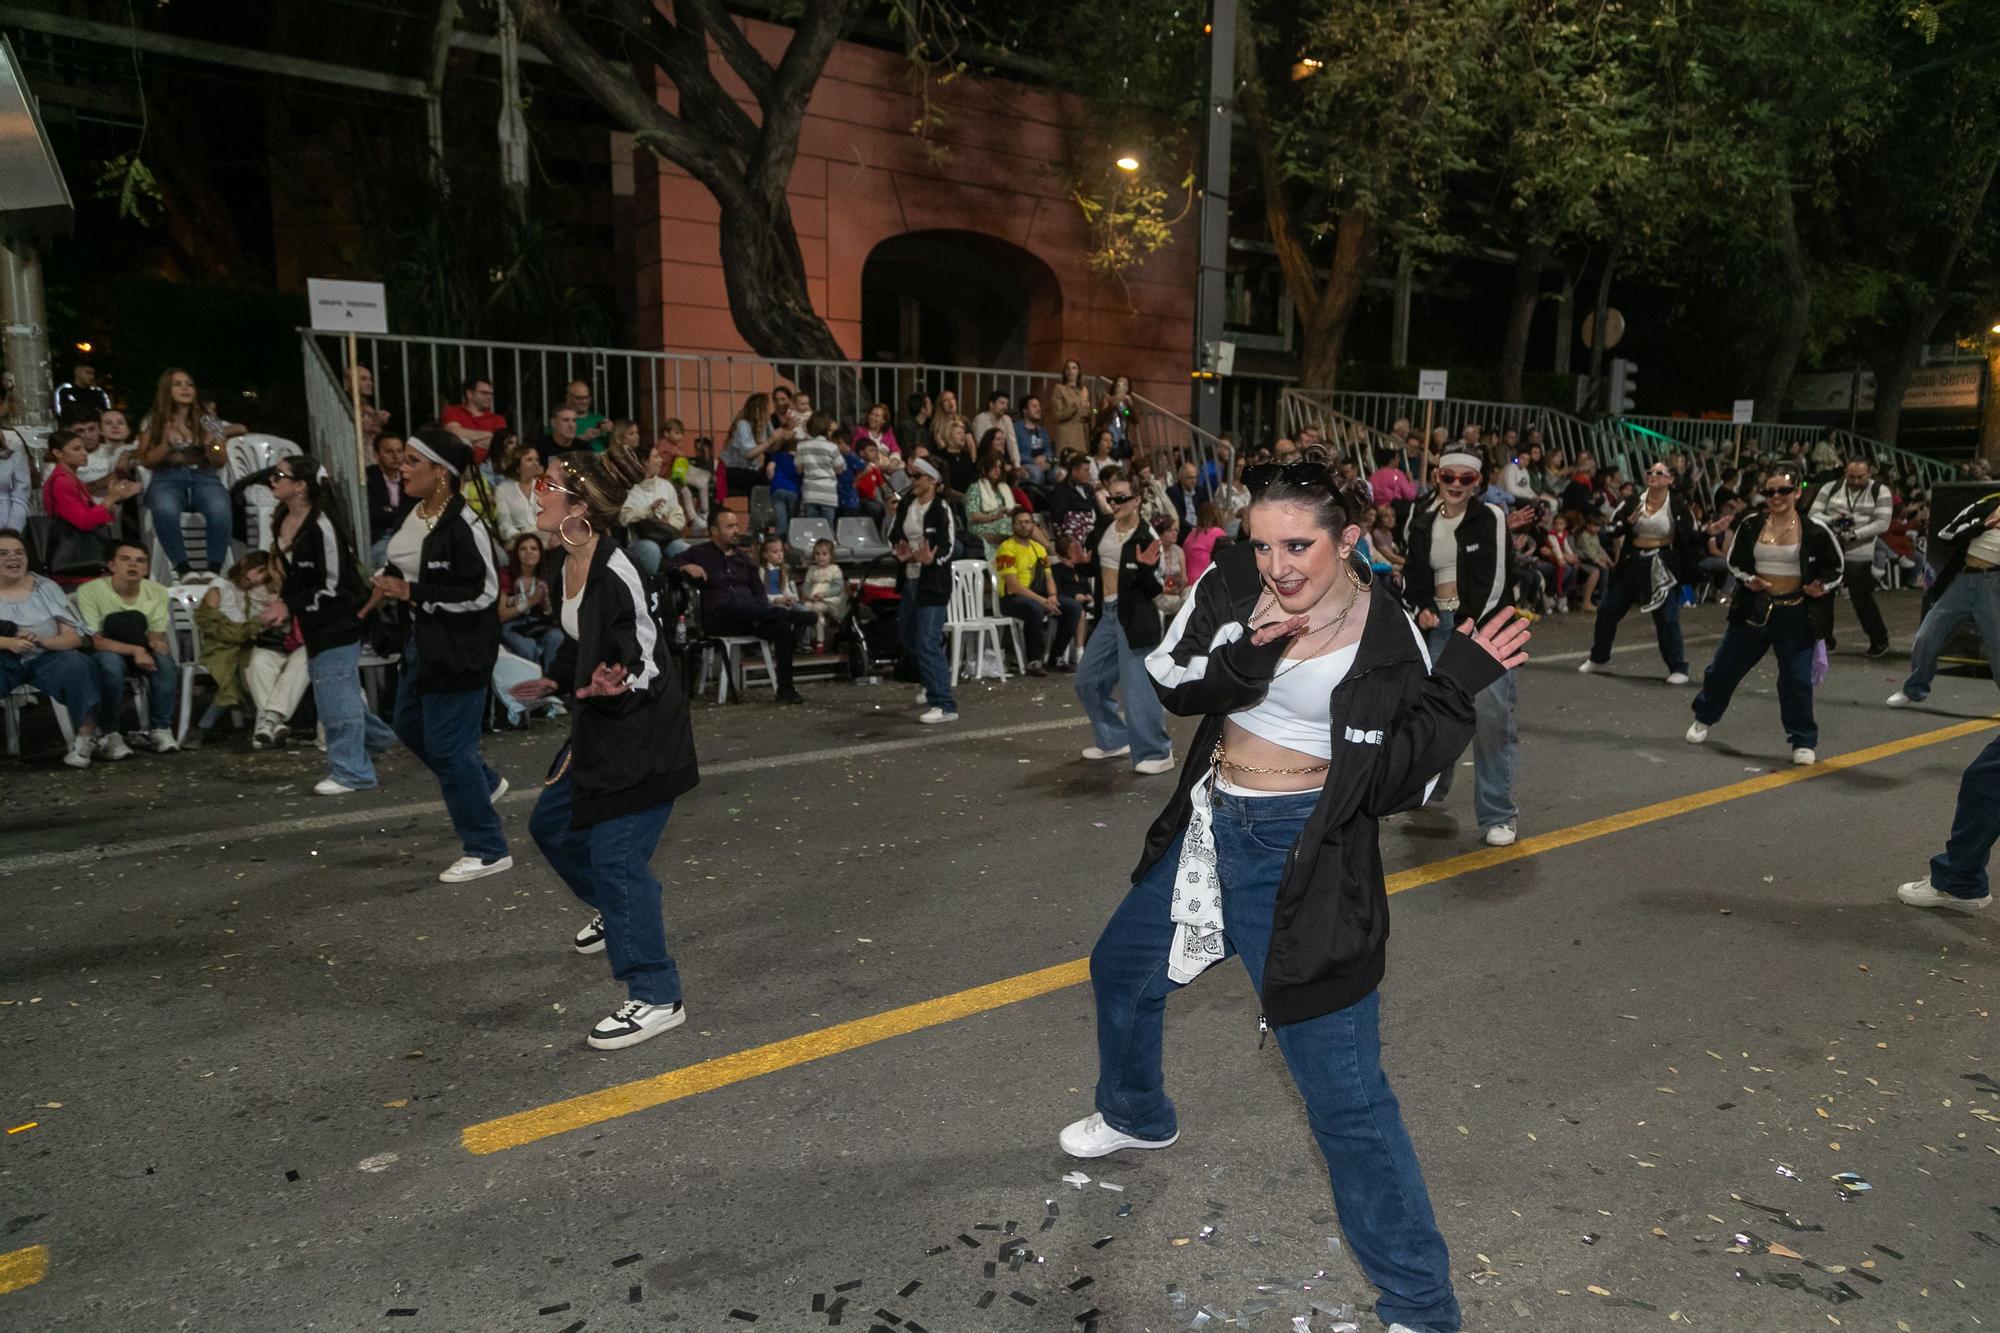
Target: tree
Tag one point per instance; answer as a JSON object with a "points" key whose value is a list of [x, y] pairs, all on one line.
{"points": [[744, 163]]}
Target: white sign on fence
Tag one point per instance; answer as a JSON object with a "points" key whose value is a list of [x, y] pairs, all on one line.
{"points": [[1744, 412], [1430, 386], [348, 307]]}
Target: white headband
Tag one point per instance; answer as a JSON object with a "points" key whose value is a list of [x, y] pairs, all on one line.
{"points": [[432, 454], [1460, 458], [923, 465]]}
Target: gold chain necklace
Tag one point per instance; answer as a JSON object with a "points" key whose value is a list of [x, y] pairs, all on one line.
{"points": [[431, 517], [1332, 626]]}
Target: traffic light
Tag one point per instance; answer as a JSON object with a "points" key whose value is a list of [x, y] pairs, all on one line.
{"points": [[1624, 386]]}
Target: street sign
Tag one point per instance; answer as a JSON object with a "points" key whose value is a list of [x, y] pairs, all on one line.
{"points": [[348, 307], [1744, 412], [1430, 386]]}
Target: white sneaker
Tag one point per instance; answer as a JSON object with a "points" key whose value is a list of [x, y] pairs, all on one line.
{"points": [[923, 697], [591, 938], [163, 741], [1154, 767], [80, 750], [1093, 752], [1803, 756], [633, 1022], [112, 746], [471, 867], [1697, 733], [1920, 893], [499, 791], [1900, 700], [1677, 678], [328, 787], [1091, 1137], [1587, 667], [1502, 835], [933, 716]]}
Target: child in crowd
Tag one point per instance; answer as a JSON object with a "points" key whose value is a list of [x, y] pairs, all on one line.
{"points": [[242, 656], [824, 592], [774, 570], [869, 482], [1595, 561], [1073, 581], [1564, 566]]}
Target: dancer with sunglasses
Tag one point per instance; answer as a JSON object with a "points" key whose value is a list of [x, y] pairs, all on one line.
{"points": [[1456, 572], [442, 562], [1788, 564], [630, 754], [1320, 714], [1658, 528], [1127, 553]]}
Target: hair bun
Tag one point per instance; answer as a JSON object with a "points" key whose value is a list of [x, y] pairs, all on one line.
{"points": [[624, 463]]}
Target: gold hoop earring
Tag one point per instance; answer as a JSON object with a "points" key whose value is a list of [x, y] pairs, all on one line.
{"points": [[562, 531], [1360, 584]]}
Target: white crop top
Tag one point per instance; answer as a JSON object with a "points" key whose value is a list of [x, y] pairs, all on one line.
{"points": [[1986, 546], [1778, 561], [1294, 711], [1110, 552], [1651, 526], [1444, 548]]}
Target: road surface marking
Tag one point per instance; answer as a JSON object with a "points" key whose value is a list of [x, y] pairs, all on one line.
{"points": [[23, 1268]]}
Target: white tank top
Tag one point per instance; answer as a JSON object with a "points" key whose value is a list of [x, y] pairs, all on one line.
{"points": [[1444, 548], [1778, 561], [1110, 551], [1986, 546], [1295, 710], [1653, 526]]}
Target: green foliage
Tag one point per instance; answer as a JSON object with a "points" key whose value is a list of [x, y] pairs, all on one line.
{"points": [[129, 183]]}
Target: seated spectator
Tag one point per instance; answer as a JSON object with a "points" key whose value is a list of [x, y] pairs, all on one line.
{"points": [[1562, 566], [185, 458], [82, 394], [1031, 441], [653, 518], [733, 600], [915, 428], [1390, 485], [774, 572], [1076, 503], [514, 498], [17, 480], [472, 418], [214, 425], [955, 457], [1202, 539], [528, 604], [989, 501], [695, 487], [673, 442], [41, 644], [1172, 569], [561, 437], [593, 428], [1075, 575], [387, 505], [1028, 594], [875, 427], [1187, 495], [869, 482], [997, 417], [126, 615], [1378, 563], [1595, 561], [1152, 492], [243, 654], [824, 593], [66, 500], [750, 440], [820, 467]]}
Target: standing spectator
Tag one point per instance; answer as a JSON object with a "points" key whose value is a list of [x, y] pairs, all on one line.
{"points": [[1075, 586], [749, 441], [83, 395], [820, 467], [514, 499], [997, 417], [654, 518], [592, 429], [1114, 660], [923, 535], [67, 500], [1859, 510], [41, 644], [1031, 441], [186, 460], [324, 592], [1187, 496], [781, 473], [1028, 592], [473, 420], [1119, 415], [733, 601], [127, 616], [527, 606], [387, 505], [824, 592], [561, 437], [17, 480], [1103, 455], [1199, 544], [1069, 412]]}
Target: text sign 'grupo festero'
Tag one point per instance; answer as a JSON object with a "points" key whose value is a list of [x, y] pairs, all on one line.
{"points": [[348, 307]]}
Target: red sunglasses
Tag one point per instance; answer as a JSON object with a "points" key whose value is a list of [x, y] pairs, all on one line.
{"points": [[543, 486], [1459, 478]]}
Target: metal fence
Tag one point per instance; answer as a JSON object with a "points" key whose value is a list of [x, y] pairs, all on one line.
{"points": [[1724, 440], [330, 421]]}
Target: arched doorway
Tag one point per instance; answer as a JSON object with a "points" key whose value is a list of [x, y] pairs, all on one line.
{"points": [[959, 298]]}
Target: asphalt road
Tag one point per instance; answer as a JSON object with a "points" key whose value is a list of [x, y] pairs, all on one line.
{"points": [[250, 1030]]}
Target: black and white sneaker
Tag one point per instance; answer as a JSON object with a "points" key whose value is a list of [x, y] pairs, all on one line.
{"points": [[635, 1021], [591, 938]]}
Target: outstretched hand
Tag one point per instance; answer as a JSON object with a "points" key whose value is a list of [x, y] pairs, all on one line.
{"points": [[605, 682], [529, 691], [1504, 637]]}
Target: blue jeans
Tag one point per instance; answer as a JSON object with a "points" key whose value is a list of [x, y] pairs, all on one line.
{"points": [[920, 630], [539, 646], [353, 733], [609, 866], [1108, 664], [162, 689], [1335, 1059], [1788, 636], [1495, 744], [175, 491], [1629, 586], [1961, 869], [783, 505], [64, 674], [442, 729], [647, 555], [1974, 594], [831, 513]]}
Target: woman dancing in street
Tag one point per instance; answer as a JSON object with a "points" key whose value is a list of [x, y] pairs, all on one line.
{"points": [[1321, 713], [1788, 564], [1660, 540], [630, 754]]}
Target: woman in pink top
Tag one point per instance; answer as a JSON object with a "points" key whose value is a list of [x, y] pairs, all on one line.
{"points": [[66, 498], [1390, 483], [877, 428], [1199, 545]]}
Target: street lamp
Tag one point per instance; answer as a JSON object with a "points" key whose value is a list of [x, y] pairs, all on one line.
{"points": [[1127, 163]]}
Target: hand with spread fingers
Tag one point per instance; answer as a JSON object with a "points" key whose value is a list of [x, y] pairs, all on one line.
{"points": [[1504, 637]]}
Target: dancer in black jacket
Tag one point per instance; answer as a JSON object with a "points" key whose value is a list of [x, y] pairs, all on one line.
{"points": [[1659, 548], [630, 755], [1321, 713], [442, 562]]}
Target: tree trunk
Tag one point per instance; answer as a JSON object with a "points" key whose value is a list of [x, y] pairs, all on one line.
{"points": [[1894, 361], [1989, 412], [1326, 324], [1528, 262], [1790, 337]]}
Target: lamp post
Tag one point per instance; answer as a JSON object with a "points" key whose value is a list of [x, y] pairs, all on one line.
{"points": [[1212, 273], [1989, 407]]}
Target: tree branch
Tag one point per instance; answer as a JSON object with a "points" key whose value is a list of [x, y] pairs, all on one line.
{"points": [[710, 18], [820, 28]]}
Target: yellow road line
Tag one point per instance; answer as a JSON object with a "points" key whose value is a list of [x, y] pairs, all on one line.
{"points": [[23, 1268], [623, 1099]]}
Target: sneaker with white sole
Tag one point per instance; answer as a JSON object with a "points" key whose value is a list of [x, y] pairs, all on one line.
{"points": [[163, 741], [1587, 667], [471, 867], [1922, 893], [1901, 700], [1095, 752], [1502, 835], [499, 791], [1803, 755], [1152, 768], [1091, 1137], [591, 938], [111, 745], [930, 717], [80, 751], [328, 787], [923, 697], [1697, 733], [1677, 678], [633, 1022]]}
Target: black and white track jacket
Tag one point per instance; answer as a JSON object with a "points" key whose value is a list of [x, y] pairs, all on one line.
{"points": [[1485, 573], [323, 586], [1953, 539], [455, 597], [1820, 561]]}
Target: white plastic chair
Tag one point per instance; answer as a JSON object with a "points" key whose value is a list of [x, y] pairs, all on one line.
{"points": [[732, 671], [248, 455], [10, 710], [969, 615], [805, 532]]}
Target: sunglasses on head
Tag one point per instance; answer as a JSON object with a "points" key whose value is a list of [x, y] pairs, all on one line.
{"points": [[544, 484], [1303, 473], [1459, 478], [1773, 492]]}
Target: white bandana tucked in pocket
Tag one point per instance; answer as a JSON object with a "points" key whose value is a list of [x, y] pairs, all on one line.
{"points": [[1197, 892]]}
